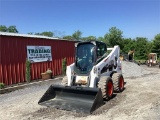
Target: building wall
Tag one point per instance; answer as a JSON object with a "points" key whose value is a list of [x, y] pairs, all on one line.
{"points": [[13, 54]]}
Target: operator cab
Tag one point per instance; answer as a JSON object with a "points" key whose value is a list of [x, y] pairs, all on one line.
{"points": [[87, 54]]}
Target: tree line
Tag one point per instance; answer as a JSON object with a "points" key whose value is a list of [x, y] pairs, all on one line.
{"points": [[141, 45]]}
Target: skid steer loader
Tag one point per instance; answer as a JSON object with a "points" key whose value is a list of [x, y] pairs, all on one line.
{"points": [[90, 80]]}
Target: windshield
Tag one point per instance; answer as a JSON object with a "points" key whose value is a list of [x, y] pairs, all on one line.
{"points": [[85, 57]]}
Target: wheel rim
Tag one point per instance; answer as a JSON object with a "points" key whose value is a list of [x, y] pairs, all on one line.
{"points": [[110, 88], [121, 83]]}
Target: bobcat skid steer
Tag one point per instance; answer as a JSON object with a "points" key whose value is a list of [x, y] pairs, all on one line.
{"points": [[90, 80]]}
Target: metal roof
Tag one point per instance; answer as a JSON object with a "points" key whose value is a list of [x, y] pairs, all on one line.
{"points": [[31, 36]]}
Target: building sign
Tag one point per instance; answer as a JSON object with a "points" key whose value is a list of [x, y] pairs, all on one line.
{"points": [[39, 53]]}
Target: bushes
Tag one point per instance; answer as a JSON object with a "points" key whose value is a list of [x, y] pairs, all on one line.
{"points": [[64, 64], [28, 71], [1, 85]]}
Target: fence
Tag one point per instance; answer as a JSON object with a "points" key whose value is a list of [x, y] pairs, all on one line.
{"points": [[13, 54]]}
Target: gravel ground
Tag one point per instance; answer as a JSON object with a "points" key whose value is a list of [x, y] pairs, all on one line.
{"points": [[140, 100]]}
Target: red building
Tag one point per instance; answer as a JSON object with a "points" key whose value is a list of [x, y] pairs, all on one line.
{"points": [[13, 54]]}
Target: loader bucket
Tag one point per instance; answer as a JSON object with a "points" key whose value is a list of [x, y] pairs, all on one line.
{"points": [[78, 99]]}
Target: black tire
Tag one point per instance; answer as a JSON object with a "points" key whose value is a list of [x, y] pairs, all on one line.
{"points": [[64, 81], [118, 82], [106, 85]]}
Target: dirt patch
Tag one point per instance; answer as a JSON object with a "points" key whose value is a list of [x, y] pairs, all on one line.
{"points": [[56, 113]]}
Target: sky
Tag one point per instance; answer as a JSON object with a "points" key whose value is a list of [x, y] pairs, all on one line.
{"points": [[135, 18]]}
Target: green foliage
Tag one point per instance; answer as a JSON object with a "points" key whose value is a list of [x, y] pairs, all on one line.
{"points": [[31, 33], [88, 38], [156, 45], [3, 28], [11, 29], [128, 44], [1, 85], [64, 65], [84, 38], [141, 50], [68, 37], [140, 45], [48, 34], [100, 39], [28, 71], [114, 37], [77, 35], [91, 38]]}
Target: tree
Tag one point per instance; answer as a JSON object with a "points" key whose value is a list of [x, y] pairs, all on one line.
{"points": [[77, 35], [49, 34], [128, 44], [84, 38], [30, 33], [3, 28], [91, 38], [68, 37], [12, 29], [114, 37], [37, 34], [88, 38], [141, 50], [156, 44], [102, 39]]}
